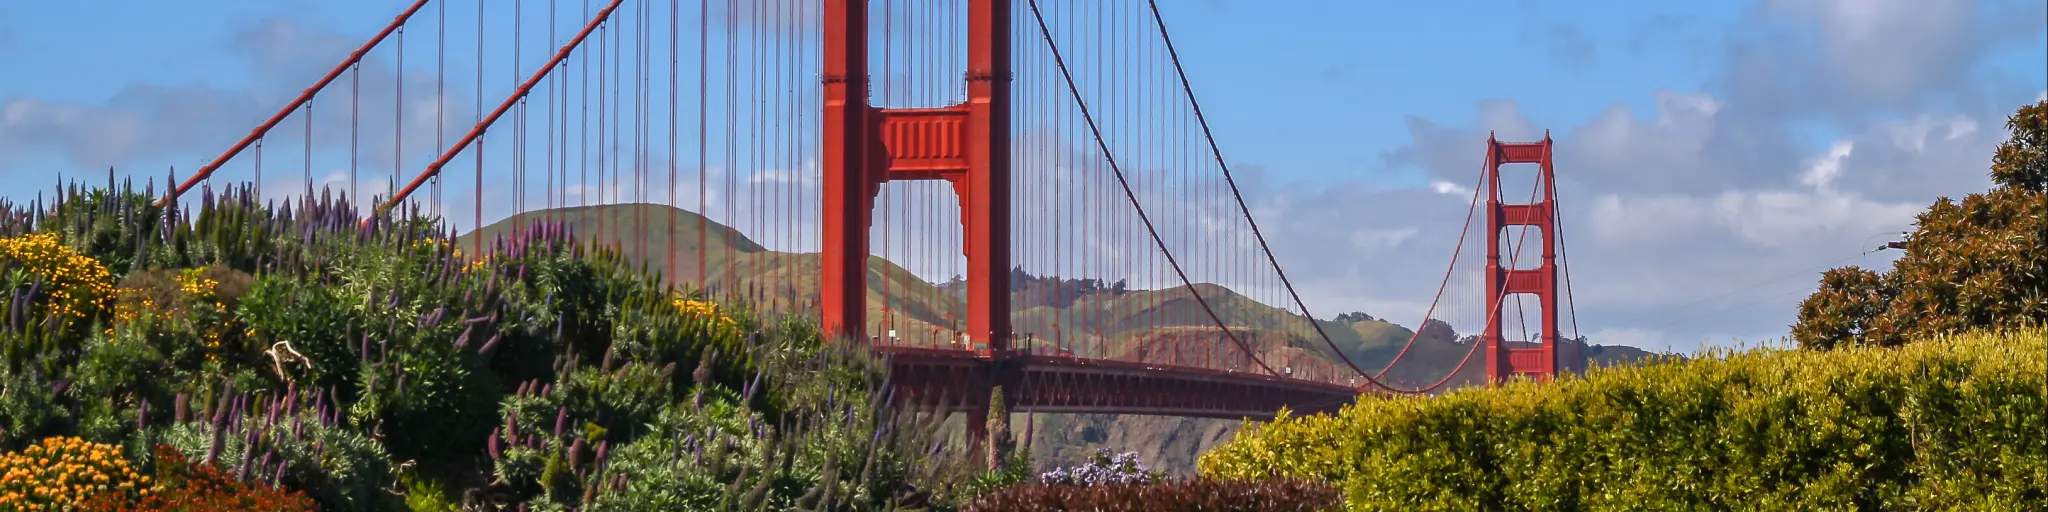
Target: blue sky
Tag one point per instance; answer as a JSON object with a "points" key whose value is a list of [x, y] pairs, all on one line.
{"points": [[1712, 154]]}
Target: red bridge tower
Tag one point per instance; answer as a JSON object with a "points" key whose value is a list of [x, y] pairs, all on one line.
{"points": [[1551, 352], [967, 144]]}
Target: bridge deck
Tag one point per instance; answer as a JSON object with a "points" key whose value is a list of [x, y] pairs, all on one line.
{"points": [[960, 380]]}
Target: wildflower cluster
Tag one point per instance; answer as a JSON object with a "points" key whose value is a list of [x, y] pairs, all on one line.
{"points": [[78, 285], [1103, 469], [201, 289], [705, 310], [454, 252], [64, 471], [186, 486], [126, 311]]}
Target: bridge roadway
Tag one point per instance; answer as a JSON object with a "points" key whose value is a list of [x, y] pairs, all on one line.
{"points": [[961, 380]]}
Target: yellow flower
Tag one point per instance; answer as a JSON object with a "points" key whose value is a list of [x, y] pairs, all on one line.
{"points": [[29, 480], [79, 286]]}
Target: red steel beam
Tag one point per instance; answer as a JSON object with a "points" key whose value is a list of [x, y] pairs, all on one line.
{"points": [[264, 129], [434, 169], [987, 198], [848, 190]]}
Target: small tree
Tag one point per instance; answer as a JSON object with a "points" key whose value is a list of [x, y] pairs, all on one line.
{"points": [[2022, 161], [1980, 262], [1848, 299], [1353, 317]]}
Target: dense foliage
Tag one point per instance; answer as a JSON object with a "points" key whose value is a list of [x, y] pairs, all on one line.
{"points": [[1980, 262], [383, 367], [1947, 423]]}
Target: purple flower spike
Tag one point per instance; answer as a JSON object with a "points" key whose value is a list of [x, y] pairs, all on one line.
{"points": [[492, 446], [561, 419], [490, 345]]}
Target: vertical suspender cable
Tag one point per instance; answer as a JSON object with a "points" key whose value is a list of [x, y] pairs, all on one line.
{"points": [[583, 136], [1225, 167], [398, 117], [758, 64], [309, 152], [703, 140], [888, 199], [548, 190], [354, 61], [675, 21], [355, 131], [732, 77], [440, 95], [476, 133]]}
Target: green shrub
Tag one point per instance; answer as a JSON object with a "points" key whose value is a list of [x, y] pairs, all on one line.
{"points": [[1948, 423]]}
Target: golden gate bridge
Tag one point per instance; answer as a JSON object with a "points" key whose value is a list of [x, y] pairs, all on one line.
{"points": [[839, 158]]}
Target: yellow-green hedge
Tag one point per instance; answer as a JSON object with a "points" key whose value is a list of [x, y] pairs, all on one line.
{"points": [[1953, 423]]}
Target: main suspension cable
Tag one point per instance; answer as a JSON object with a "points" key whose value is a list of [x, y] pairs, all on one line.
{"points": [[1089, 118]]}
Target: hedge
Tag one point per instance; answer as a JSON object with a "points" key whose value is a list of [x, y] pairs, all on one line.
{"points": [[1952, 423]]}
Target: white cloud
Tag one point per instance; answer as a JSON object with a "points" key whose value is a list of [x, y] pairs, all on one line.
{"points": [[1678, 214], [1823, 169], [151, 124]]}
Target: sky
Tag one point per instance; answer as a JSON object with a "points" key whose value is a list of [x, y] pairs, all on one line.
{"points": [[1712, 157]]}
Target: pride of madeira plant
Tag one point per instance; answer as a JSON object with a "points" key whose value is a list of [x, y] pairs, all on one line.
{"points": [[383, 367]]}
